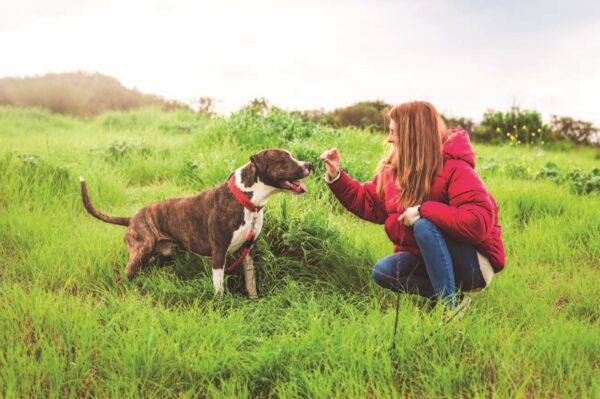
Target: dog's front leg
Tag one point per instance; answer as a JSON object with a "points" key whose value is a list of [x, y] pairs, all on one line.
{"points": [[218, 272], [249, 276]]}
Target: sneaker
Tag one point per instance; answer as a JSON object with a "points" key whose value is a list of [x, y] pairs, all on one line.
{"points": [[458, 311]]}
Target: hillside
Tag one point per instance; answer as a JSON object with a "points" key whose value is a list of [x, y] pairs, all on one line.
{"points": [[78, 94]]}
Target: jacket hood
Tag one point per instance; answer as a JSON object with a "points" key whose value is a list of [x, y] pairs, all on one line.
{"points": [[458, 146]]}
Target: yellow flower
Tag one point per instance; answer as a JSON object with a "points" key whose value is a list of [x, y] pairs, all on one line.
{"points": [[533, 134], [514, 126], [498, 129], [539, 130]]}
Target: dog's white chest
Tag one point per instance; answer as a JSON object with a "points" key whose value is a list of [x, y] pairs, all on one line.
{"points": [[239, 235]]}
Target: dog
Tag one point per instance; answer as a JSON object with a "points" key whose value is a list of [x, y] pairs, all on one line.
{"points": [[214, 222]]}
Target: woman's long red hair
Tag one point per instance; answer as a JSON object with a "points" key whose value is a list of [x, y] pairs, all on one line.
{"points": [[417, 157]]}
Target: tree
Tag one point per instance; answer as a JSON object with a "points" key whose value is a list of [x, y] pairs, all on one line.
{"points": [[579, 132]]}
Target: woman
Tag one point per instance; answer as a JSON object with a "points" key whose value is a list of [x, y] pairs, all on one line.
{"points": [[436, 210]]}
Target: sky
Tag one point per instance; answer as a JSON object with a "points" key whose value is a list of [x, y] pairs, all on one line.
{"points": [[463, 56]]}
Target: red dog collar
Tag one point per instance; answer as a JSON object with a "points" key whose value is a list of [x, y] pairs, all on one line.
{"points": [[241, 197]]}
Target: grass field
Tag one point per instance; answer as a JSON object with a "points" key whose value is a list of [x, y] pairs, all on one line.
{"points": [[72, 326]]}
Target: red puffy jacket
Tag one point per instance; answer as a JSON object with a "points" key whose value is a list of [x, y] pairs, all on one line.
{"points": [[458, 204]]}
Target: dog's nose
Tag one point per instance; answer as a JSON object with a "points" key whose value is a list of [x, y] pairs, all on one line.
{"points": [[308, 166]]}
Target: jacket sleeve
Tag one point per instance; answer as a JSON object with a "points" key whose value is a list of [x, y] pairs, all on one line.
{"points": [[469, 215], [360, 199]]}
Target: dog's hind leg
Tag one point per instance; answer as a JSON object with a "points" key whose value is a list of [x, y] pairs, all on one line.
{"points": [[249, 276], [163, 253], [140, 248]]}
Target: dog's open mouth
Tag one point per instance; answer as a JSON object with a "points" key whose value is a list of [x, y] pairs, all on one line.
{"points": [[294, 186]]}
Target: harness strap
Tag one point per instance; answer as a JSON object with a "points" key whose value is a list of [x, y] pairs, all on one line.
{"points": [[247, 247], [246, 203]]}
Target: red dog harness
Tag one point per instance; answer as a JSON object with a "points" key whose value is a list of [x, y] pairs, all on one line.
{"points": [[246, 203]]}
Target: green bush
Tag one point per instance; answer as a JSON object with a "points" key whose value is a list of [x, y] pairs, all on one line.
{"points": [[364, 115], [255, 128], [515, 126], [461, 121]]}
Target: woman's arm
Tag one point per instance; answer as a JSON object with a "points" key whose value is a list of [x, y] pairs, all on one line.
{"points": [[469, 215], [360, 199]]}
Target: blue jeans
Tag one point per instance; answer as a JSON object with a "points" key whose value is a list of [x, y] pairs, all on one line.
{"points": [[445, 265]]}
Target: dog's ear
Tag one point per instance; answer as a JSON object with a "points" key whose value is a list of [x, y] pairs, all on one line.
{"points": [[259, 161]]}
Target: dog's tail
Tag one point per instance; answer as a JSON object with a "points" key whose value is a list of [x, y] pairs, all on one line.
{"points": [[123, 221]]}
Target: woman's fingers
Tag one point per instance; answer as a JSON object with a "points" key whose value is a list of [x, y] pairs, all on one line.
{"points": [[403, 219], [330, 163], [331, 154], [325, 154]]}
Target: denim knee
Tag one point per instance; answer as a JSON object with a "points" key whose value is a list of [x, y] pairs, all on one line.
{"points": [[423, 227], [382, 273]]}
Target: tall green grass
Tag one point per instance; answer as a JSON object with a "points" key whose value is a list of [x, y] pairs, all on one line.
{"points": [[71, 325]]}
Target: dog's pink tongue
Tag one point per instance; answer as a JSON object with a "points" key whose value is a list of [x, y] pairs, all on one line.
{"points": [[303, 186]]}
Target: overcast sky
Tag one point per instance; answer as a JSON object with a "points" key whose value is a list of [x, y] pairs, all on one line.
{"points": [[463, 56]]}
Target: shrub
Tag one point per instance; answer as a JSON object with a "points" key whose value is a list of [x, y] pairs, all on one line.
{"points": [[515, 126], [313, 115], [365, 114], [259, 128], [466, 123]]}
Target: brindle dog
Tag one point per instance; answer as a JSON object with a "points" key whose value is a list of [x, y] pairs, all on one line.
{"points": [[213, 222]]}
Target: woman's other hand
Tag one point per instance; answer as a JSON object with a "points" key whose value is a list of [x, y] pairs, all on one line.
{"points": [[410, 216], [332, 162]]}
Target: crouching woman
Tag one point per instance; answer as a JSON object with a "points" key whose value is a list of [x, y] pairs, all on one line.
{"points": [[435, 208]]}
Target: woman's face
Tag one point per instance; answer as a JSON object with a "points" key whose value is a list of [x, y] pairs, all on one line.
{"points": [[393, 135]]}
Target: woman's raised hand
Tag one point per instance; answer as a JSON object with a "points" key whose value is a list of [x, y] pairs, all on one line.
{"points": [[332, 162]]}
